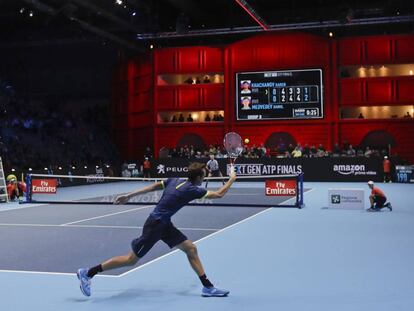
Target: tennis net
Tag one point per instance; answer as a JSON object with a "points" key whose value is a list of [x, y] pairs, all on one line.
{"points": [[251, 191]]}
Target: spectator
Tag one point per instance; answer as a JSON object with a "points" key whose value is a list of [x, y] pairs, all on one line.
{"points": [[296, 153], [125, 171], [336, 152], [181, 118], [386, 164], [146, 168], [190, 118], [189, 80], [313, 151], [367, 152], [351, 151], [306, 151], [320, 153]]}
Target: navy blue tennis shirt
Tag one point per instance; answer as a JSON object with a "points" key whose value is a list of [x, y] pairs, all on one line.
{"points": [[177, 193]]}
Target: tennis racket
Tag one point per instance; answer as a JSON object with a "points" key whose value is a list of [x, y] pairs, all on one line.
{"points": [[233, 145]]}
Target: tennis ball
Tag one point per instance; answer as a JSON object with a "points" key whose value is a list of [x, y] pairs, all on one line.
{"points": [[246, 141]]}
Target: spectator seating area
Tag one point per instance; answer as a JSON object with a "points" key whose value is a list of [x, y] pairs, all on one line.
{"points": [[281, 151], [49, 134]]}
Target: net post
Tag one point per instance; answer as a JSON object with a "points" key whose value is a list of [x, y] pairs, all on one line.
{"points": [[28, 188], [300, 203]]}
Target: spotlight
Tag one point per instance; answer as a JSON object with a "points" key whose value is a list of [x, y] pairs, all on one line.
{"points": [[85, 166], [60, 167], [73, 167], [31, 14], [97, 166], [22, 10], [134, 13], [118, 2], [151, 46], [45, 168], [330, 34], [30, 169], [13, 170]]}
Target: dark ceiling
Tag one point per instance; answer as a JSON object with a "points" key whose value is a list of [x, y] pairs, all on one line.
{"points": [[134, 23]]}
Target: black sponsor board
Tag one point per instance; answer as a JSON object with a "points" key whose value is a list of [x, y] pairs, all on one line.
{"points": [[314, 169]]}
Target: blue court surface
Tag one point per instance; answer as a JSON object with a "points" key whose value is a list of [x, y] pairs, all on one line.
{"points": [[270, 259]]}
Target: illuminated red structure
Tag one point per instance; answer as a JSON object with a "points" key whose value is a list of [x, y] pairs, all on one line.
{"points": [[368, 77]]}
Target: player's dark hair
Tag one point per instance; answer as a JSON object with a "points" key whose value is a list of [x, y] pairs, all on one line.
{"points": [[195, 170]]}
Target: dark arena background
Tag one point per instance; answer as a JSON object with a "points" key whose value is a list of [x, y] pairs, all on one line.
{"points": [[99, 98]]}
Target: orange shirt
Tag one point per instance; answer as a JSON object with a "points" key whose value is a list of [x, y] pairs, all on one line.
{"points": [[377, 192], [387, 166], [22, 186], [11, 188]]}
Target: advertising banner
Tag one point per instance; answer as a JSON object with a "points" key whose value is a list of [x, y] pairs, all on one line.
{"points": [[46, 186], [280, 187], [314, 169], [346, 198]]}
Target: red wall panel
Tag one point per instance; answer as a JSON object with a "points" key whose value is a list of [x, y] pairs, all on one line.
{"points": [[213, 60], [378, 50], [213, 96], [141, 102], [169, 135], [189, 98], [379, 91], [242, 59], [350, 52], [267, 57], [351, 91], [292, 53], [189, 60], [139, 120], [404, 49], [313, 135], [405, 90], [142, 84], [165, 60], [166, 98]]}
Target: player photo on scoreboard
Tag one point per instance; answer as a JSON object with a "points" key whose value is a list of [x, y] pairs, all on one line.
{"points": [[245, 87], [246, 102]]}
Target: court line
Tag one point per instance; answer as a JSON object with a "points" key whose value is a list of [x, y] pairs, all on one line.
{"points": [[96, 226], [155, 259], [18, 207], [107, 215]]}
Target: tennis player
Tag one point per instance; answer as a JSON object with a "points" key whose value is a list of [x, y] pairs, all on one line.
{"points": [[213, 168], [377, 199], [158, 226]]}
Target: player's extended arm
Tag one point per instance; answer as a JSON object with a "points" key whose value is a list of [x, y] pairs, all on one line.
{"points": [[122, 199], [223, 190]]}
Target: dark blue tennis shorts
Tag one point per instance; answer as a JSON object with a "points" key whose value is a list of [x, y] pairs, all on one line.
{"points": [[153, 231]]}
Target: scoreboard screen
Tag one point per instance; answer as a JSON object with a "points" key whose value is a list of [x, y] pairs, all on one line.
{"points": [[404, 173], [287, 94]]}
